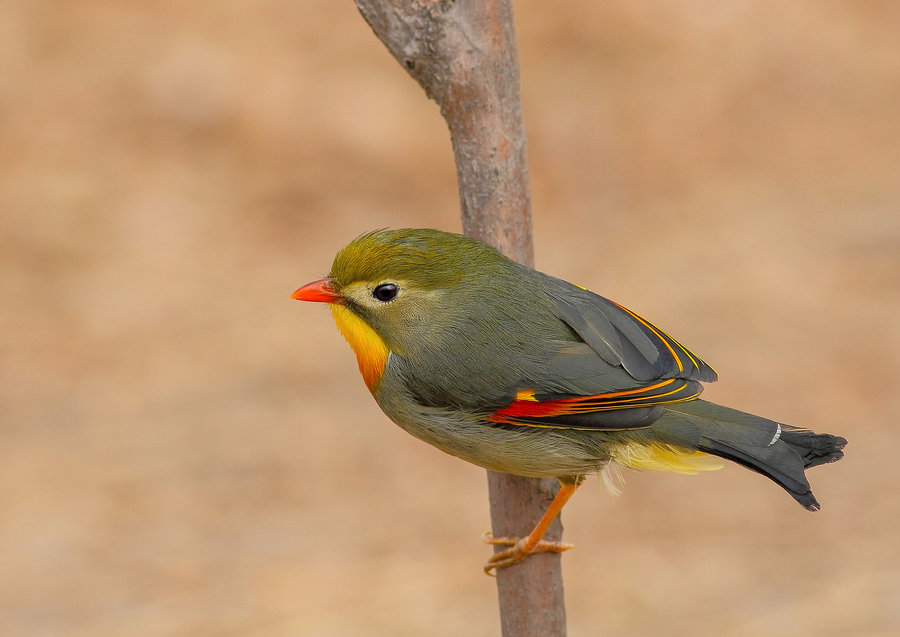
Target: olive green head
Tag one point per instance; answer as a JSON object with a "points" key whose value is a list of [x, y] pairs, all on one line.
{"points": [[464, 322], [452, 317], [409, 285], [424, 258]]}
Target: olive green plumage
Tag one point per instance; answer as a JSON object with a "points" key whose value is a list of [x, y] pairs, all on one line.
{"points": [[468, 330]]}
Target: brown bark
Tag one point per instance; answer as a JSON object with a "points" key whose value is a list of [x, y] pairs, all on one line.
{"points": [[463, 54]]}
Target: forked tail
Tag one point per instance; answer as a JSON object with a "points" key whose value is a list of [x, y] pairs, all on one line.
{"points": [[778, 451]]}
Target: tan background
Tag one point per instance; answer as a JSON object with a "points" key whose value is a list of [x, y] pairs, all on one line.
{"points": [[184, 451]]}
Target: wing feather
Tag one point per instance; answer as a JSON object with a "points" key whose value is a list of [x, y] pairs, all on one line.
{"points": [[622, 337], [628, 409], [620, 377]]}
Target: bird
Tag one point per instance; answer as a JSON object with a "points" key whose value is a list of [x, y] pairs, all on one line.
{"points": [[520, 372]]}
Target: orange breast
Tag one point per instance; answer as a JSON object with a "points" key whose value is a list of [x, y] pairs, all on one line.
{"points": [[371, 352]]}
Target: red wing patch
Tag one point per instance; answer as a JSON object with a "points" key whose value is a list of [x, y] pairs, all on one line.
{"points": [[563, 413]]}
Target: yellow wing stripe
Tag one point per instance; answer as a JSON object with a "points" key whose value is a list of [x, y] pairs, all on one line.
{"points": [[520, 423], [683, 349], [666, 339], [658, 335], [588, 407], [526, 420]]}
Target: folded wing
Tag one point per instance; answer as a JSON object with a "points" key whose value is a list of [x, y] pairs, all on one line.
{"points": [[622, 375], [622, 337]]}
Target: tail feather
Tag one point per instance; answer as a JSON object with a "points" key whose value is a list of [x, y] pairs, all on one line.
{"points": [[813, 448], [783, 466], [778, 451]]}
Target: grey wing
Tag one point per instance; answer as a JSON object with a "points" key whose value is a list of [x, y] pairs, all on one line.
{"points": [[623, 338]]}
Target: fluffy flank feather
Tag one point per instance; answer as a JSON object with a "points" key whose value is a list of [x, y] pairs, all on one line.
{"points": [[661, 457], [612, 479]]}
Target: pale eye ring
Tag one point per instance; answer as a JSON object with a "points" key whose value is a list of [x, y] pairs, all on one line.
{"points": [[386, 292]]}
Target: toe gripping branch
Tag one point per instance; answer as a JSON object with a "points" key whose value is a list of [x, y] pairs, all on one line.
{"points": [[520, 548]]}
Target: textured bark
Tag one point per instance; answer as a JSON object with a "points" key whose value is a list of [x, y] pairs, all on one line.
{"points": [[463, 54]]}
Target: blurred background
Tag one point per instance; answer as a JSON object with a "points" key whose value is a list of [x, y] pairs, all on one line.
{"points": [[184, 451]]}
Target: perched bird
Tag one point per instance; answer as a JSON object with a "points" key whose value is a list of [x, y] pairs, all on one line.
{"points": [[520, 372]]}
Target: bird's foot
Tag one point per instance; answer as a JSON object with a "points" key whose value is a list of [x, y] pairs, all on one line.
{"points": [[520, 548]]}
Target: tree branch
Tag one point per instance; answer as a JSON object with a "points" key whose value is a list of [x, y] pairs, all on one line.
{"points": [[463, 53]]}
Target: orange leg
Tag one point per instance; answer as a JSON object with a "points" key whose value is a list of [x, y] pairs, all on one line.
{"points": [[531, 543]]}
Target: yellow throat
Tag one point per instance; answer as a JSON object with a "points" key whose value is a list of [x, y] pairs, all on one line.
{"points": [[371, 352]]}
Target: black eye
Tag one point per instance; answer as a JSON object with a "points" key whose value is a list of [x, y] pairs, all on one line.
{"points": [[385, 292]]}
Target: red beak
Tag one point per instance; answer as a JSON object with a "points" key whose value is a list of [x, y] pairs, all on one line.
{"points": [[319, 291]]}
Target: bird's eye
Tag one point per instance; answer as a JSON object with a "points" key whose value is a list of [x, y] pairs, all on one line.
{"points": [[385, 292]]}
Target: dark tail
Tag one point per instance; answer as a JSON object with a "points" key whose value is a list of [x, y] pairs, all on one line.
{"points": [[778, 451]]}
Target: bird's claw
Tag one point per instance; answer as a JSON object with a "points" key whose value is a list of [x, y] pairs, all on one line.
{"points": [[489, 538], [519, 550]]}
